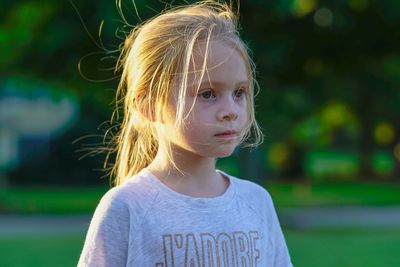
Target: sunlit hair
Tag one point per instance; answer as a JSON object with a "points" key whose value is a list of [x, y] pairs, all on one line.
{"points": [[155, 59]]}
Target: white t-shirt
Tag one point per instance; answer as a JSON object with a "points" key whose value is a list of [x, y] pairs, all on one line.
{"points": [[145, 223]]}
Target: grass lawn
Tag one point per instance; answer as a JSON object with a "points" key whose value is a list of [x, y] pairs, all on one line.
{"points": [[40, 250], [54, 200], [327, 248], [84, 199], [344, 247], [334, 194]]}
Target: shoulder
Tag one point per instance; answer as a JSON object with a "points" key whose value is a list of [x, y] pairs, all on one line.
{"points": [[135, 195], [256, 198], [248, 187], [250, 190]]}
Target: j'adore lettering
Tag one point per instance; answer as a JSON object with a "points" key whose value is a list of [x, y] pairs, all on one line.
{"points": [[236, 249]]}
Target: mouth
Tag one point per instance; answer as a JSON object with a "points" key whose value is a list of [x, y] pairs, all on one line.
{"points": [[227, 134]]}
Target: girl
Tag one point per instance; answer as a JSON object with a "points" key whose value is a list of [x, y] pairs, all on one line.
{"points": [[187, 86]]}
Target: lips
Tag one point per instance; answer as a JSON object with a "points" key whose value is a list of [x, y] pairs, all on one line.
{"points": [[226, 133]]}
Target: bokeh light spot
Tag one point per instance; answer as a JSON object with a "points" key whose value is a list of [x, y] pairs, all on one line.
{"points": [[334, 114], [278, 154], [303, 7], [384, 133], [396, 151], [358, 5], [382, 163], [323, 17]]}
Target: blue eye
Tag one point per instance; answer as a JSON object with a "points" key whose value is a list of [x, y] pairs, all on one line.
{"points": [[209, 94]]}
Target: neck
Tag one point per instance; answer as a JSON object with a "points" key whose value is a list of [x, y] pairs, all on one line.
{"points": [[185, 165], [189, 173]]}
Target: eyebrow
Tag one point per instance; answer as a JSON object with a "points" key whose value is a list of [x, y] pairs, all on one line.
{"points": [[219, 84]]}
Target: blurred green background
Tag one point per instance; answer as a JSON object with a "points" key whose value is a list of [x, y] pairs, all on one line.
{"points": [[329, 105]]}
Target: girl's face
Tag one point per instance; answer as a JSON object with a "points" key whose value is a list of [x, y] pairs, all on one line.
{"points": [[217, 121]]}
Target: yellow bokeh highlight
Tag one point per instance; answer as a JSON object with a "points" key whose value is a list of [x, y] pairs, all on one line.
{"points": [[384, 133], [396, 151], [278, 154], [334, 115], [358, 5], [301, 8]]}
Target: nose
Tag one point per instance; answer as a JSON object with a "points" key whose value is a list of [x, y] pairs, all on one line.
{"points": [[227, 111], [225, 116]]}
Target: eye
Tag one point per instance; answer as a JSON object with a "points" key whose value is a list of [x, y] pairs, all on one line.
{"points": [[208, 94], [239, 93]]}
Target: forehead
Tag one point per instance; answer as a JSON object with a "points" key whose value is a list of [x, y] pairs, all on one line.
{"points": [[223, 63]]}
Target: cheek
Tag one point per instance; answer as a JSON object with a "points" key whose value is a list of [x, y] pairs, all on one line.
{"points": [[199, 117], [242, 110], [197, 128]]}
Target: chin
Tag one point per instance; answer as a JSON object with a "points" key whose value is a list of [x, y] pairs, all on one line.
{"points": [[219, 151], [223, 156], [225, 153]]}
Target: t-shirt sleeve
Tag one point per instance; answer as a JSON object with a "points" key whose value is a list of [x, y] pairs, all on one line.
{"points": [[106, 243], [280, 253]]}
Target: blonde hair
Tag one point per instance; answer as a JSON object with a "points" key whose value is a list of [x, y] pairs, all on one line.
{"points": [[154, 58]]}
